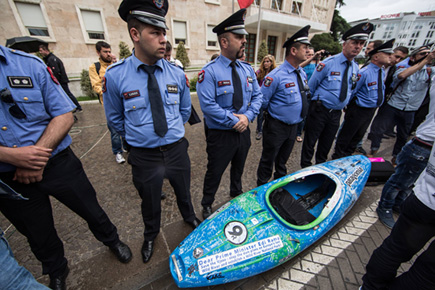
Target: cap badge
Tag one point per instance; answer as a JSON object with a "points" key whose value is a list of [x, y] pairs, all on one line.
{"points": [[158, 3], [366, 26]]}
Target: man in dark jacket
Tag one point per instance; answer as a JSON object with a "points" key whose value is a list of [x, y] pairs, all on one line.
{"points": [[58, 70]]}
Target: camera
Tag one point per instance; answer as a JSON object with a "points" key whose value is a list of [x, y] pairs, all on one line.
{"points": [[325, 53]]}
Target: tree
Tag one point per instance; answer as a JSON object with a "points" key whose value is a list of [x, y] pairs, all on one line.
{"points": [[325, 41], [124, 51], [339, 25], [262, 50], [181, 54]]}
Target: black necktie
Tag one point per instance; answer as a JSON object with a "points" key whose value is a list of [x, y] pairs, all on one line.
{"points": [[380, 91], [344, 83], [238, 93], [157, 109], [302, 90]]}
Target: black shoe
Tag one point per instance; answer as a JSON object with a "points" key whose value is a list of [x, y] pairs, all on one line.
{"points": [[396, 209], [163, 196], [195, 223], [122, 252], [147, 250], [385, 137], [360, 150], [59, 282], [206, 211], [390, 134]]}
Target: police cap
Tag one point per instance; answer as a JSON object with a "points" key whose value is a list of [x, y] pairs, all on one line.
{"points": [[300, 36], [421, 48], [151, 12], [387, 47], [235, 24], [360, 31]]}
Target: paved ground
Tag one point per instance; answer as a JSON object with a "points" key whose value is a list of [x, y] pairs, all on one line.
{"points": [[336, 262]]}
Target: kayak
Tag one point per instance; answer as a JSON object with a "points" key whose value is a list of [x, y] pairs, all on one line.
{"points": [[269, 225]]}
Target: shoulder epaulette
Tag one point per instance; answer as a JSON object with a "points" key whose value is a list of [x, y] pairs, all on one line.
{"points": [[119, 62], [25, 54]]}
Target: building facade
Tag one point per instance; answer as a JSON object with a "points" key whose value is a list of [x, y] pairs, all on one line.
{"points": [[73, 27], [410, 29]]}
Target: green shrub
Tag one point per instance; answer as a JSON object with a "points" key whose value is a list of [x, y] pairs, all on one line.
{"points": [[262, 51], [86, 86], [192, 83], [124, 51], [181, 55]]}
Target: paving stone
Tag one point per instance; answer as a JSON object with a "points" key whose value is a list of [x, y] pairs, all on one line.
{"points": [[355, 262], [336, 278], [322, 259], [346, 269], [289, 285], [331, 251], [300, 276], [311, 267], [339, 243], [324, 283]]}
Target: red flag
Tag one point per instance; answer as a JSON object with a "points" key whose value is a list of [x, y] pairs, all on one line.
{"points": [[245, 3]]}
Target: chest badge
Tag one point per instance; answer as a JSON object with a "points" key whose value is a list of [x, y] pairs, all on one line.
{"points": [[224, 83], [20, 82], [172, 89], [268, 81]]}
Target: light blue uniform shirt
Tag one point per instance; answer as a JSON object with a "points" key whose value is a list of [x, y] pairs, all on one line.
{"points": [[281, 93], [410, 93], [36, 93], [366, 91], [215, 92], [127, 105], [325, 83]]}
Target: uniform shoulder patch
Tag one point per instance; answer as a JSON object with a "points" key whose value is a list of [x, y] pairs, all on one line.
{"points": [[52, 76], [103, 84], [268, 81], [320, 66], [187, 81], [201, 76]]}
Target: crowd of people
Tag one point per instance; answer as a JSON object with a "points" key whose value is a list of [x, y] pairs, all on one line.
{"points": [[147, 102]]}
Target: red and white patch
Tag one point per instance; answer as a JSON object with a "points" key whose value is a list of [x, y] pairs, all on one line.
{"points": [[52, 76], [224, 83], [358, 77], [187, 82], [201, 76], [131, 94], [289, 85], [335, 73], [320, 66], [371, 84], [268, 81], [103, 84], [401, 66]]}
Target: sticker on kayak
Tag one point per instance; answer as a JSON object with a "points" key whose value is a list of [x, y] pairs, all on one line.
{"points": [[239, 254], [354, 176], [236, 232], [197, 253]]}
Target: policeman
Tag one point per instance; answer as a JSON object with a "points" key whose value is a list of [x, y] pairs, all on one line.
{"points": [[285, 99], [331, 86], [36, 161], [230, 98], [367, 97], [147, 101]]}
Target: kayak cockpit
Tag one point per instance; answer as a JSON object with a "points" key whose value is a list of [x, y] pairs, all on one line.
{"points": [[304, 202]]}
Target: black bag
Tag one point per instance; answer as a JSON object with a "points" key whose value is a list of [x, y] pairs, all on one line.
{"points": [[381, 171]]}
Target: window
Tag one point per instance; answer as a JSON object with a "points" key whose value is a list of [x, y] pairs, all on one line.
{"points": [[32, 18], [212, 40], [297, 7], [415, 34], [412, 42], [250, 47], [277, 4], [271, 44], [180, 32], [93, 24]]}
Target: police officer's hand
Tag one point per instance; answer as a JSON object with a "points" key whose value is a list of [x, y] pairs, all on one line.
{"points": [[28, 176], [29, 157], [243, 123]]}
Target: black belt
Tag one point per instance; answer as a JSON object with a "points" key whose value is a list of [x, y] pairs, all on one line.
{"points": [[320, 103], [421, 143], [165, 147], [275, 119]]}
